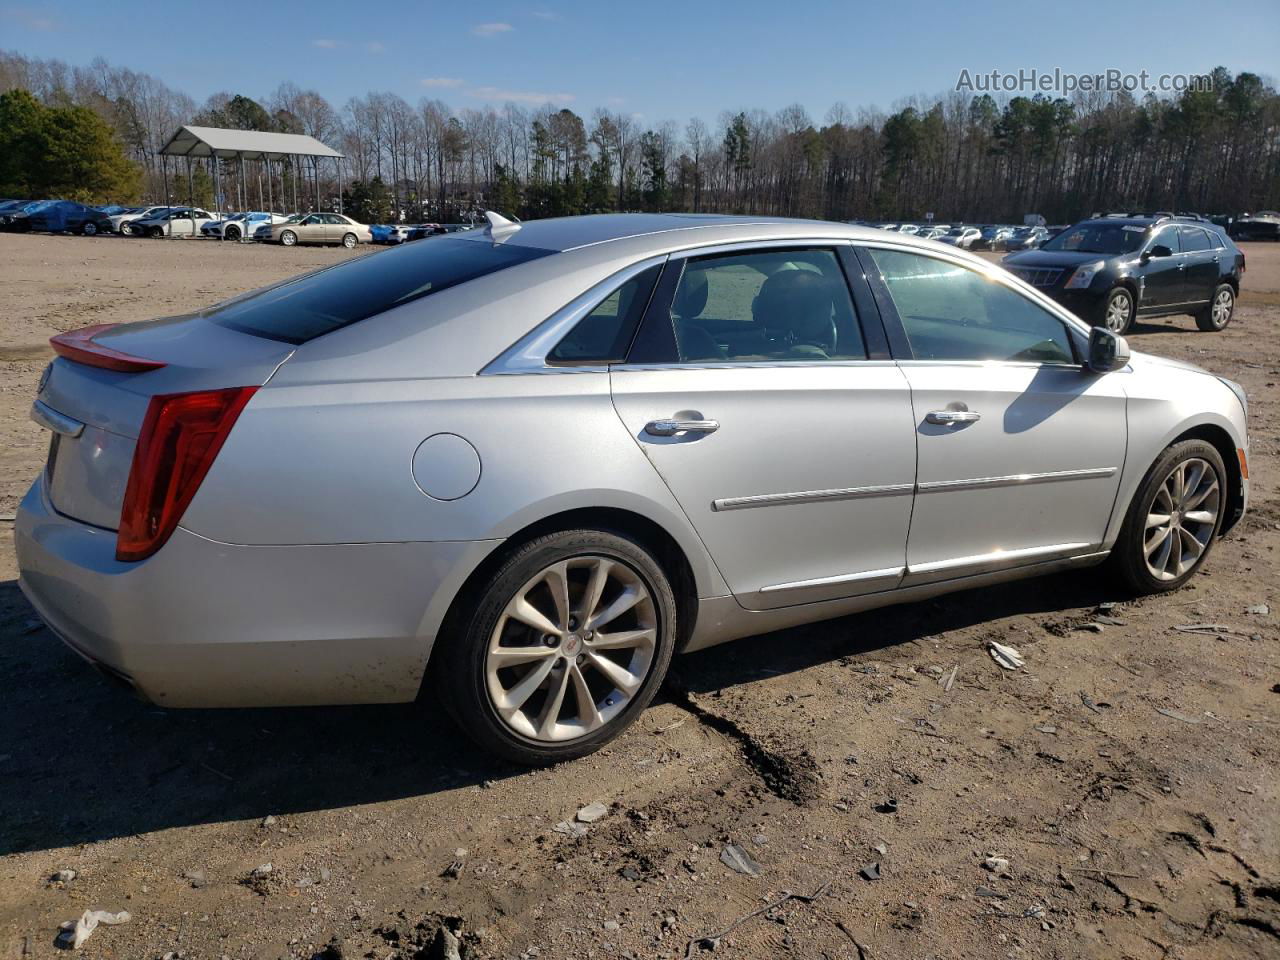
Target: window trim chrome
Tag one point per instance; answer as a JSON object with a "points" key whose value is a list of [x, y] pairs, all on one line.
{"points": [[529, 353]]}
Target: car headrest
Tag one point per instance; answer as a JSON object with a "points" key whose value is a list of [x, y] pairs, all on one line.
{"points": [[691, 297], [795, 300]]}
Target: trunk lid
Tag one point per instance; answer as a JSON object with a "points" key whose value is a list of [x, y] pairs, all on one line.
{"points": [[87, 473]]}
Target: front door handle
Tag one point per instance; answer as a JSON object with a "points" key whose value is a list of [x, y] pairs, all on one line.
{"points": [[671, 428], [948, 417]]}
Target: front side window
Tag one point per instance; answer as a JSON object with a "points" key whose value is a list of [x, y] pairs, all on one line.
{"points": [[950, 312], [764, 306], [1167, 237], [604, 334]]}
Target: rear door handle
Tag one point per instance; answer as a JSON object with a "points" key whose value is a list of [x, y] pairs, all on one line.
{"points": [[670, 428], [948, 417]]}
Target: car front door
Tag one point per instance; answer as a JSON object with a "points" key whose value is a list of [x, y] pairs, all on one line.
{"points": [[1161, 277], [1019, 450], [770, 407], [311, 229], [1201, 261]]}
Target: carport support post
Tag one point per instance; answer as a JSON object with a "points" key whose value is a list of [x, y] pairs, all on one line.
{"points": [[217, 192], [338, 164], [244, 190], [164, 172], [191, 196], [271, 200], [293, 170]]}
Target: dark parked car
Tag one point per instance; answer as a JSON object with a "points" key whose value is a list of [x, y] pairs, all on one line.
{"points": [[67, 216], [13, 215], [424, 230], [1026, 238], [1111, 270], [992, 238], [1259, 226]]}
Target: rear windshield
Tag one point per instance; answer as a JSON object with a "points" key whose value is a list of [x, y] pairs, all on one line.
{"points": [[317, 303]]}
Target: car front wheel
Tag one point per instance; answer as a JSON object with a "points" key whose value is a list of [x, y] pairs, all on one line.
{"points": [[232, 233], [1218, 313], [1174, 518], [288, 238], [90, 229], [561, 648], [1117, 311]]}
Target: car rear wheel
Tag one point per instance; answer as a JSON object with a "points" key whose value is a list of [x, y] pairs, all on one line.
{"points": [[1117, 311], [1174, 518], [1218, 313], [349, 241], [90, 229], [156, 232], [288, 238], [561, 648], [126, 229]]}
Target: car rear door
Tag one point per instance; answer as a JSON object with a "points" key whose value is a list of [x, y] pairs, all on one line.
{"points": [[1019, 450], [1201, 260], [769, 405]]}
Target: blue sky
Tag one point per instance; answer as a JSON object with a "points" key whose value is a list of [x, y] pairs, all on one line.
{"points": [[659, 60]]}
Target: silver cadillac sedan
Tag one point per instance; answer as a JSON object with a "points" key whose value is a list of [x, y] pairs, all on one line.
{"points": [[519, 468]]}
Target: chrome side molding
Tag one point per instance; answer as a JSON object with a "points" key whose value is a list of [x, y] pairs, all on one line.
{"points": [[811, 496]]}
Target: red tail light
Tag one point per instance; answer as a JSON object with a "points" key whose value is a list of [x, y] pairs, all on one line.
{"points": [[78, 345], [180, 437]]}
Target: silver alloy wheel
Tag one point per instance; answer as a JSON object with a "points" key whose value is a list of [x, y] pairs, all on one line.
{"points": [[1181, 519], [288, 238], [1118, 309], [1222, 307], [587, 624], [349, 241]]}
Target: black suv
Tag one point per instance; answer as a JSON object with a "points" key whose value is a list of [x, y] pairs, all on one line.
{"points": [[1110, 270]]}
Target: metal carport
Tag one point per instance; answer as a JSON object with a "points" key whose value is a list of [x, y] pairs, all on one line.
{"points": [[219, 143]]}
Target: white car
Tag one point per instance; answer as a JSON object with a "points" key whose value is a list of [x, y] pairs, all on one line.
{"points": [[172, 222], [961, 237], [239, 224], [122, 222]]}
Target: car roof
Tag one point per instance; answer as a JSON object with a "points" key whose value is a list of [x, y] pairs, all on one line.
{"points": [[562, 234]]}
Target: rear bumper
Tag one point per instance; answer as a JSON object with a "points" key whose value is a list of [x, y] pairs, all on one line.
{"points": [[207, 624]]}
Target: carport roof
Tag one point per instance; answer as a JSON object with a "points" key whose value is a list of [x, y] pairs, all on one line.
{"points": [[250, 144]]}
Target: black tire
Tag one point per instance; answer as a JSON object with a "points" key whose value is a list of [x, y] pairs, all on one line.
{"points": [[1113, 316], [1128, 557], [157, 233], [89, 229], [1217, 315], [350, 241], [232, 233], [288, 238], [126, 230], [458, 665]]}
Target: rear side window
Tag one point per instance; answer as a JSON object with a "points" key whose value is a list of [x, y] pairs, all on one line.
{"points": [[317, 303], [604, 334], [1193, 239]]}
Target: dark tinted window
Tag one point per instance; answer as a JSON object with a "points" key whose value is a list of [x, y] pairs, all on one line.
{"points": [[953, 313], [301, 309], [1193, 239], [604, 334]]}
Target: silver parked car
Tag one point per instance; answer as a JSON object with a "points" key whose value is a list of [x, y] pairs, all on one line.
{"points": [[520, 467]]}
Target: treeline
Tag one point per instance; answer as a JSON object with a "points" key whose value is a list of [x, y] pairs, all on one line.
{"points": [[959, 156]]}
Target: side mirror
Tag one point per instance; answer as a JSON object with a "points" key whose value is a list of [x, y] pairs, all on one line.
{"points": [[1159, 250], [1107, 351]]}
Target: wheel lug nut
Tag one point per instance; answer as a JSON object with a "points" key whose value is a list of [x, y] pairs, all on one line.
{"points": [[581, 658], [587, 635]]}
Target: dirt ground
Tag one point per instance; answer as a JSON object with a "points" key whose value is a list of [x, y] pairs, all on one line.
{"points": [[1128, 774]]}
